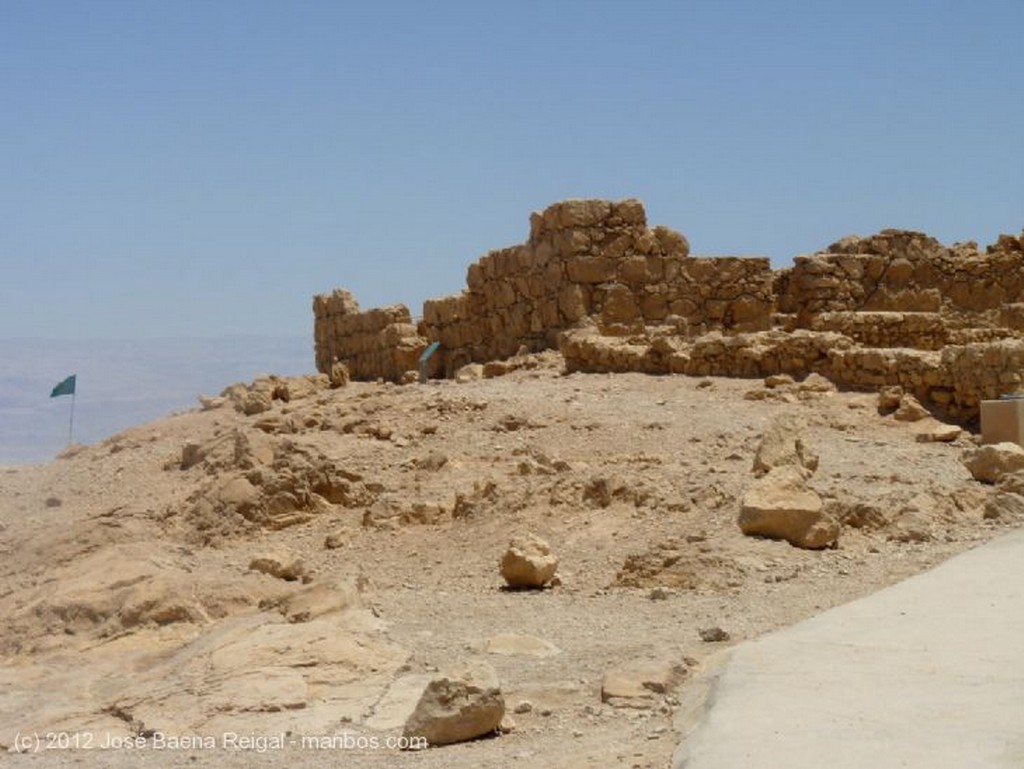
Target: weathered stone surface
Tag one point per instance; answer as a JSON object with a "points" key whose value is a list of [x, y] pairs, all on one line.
{"points": [[280, 563], [528, 563], [637, 684], [784, 442], [933, 431], [780, 506], [910, 410], [989, 464], [460, 705], [513, 645]]}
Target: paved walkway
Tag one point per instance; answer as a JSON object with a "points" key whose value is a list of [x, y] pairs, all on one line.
{"points": [[927, 674]]}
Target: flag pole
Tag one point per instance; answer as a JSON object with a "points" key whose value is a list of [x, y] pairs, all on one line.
{"points": [[71, 422]]}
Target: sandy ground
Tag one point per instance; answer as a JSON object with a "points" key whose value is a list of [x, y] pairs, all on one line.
{"points": [[635, 482]]}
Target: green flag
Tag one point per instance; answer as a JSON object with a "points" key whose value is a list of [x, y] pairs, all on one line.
{"points": [[67, 387]]}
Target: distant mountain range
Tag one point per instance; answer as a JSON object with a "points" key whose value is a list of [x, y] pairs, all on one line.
{"points": [[122, 383]]}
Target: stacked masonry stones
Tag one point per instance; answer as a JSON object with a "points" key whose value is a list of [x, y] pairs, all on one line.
{"points": [[907, 272], [895, 308], [380, 343], [594, 259]]}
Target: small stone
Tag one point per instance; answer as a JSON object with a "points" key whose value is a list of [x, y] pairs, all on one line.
{"points": [[523, 707], [910, 410], [336, 539], [816, 383], [636, 683], [778, 380], [889, 399], [713, 634], [938, 433], [282, 564]]}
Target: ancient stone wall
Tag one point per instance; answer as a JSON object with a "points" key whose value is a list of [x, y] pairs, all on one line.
{"points": [[594, 259], [906, 272], [954, 380], [592, 279], [380, 343]]}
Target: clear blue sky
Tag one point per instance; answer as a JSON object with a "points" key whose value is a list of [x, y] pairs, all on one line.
{"points": [[202, 167]]}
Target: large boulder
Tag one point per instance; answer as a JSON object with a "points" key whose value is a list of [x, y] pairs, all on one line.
{"points": [[784, 443], [528, 563], [781, 506], [990, 463], [460, 705]]}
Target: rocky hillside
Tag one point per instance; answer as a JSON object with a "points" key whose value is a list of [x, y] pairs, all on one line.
{"points": [[299, 565]]}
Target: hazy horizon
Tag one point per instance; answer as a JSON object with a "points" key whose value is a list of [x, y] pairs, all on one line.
{"points": [[122, 383]]}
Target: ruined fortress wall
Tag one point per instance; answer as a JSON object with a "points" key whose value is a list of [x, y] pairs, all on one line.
{"points": [[379, 343], [955, 379], [594, 259], [908, 272], [896, 308]]}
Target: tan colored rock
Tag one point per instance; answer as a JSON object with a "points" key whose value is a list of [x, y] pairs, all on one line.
{"points": [[816, 383], [337, 539], [283, 564], [1004, 505], [933, 431], [778, 380], [256, 402], [317, 600], [461, 705], [514, 645], [889, 399], [339, 374], [209, 403], [637, 684], [471, 372], [910, 410], [783, 443], [989, 464], [528, 563], [780, 506]]}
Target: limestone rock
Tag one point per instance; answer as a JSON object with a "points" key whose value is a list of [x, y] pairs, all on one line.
{"points": [[990, 463], [336, 539], [889, 399], [778, 380], [283, 564], [816, 383], [461, 705], [256, 402], [937, 432], [471, 372], [636, 684], [528, 563], [317, 600], [209, 403], [1004, 505], [512, 645], [780, 506], [784, 443], [910, 410], [339, 375]]}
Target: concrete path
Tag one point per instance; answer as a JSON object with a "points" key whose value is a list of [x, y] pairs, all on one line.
{"points": [[927, 674]]}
